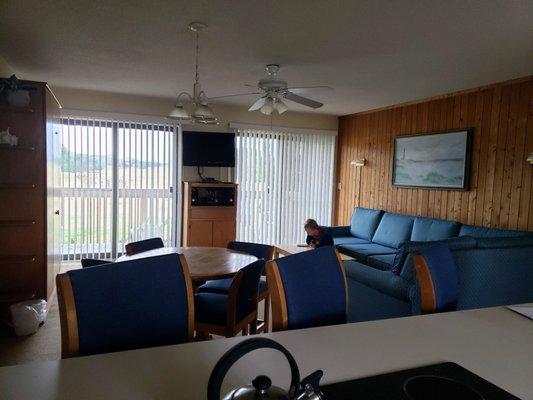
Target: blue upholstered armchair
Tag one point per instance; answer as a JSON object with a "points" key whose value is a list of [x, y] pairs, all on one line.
{"points": [[127, 305], [307, 289]]}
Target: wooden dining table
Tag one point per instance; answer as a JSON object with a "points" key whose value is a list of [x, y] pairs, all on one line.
{"points": [[205, 263]]}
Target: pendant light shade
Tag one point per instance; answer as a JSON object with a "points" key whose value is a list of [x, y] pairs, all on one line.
{"points": [[179, 113], [204, 115]]}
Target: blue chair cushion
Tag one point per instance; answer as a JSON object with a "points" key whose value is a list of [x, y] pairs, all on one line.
{"points": [[393, 230], [132, 304], [482, 231], [437, 279], [212, 308], [430, 229], [349, 240], [381, 261], [360, 252], [314, 287], [220, 286], [364, 222]]}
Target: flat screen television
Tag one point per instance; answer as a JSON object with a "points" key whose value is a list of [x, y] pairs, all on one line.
{"points": [[208, 149]]}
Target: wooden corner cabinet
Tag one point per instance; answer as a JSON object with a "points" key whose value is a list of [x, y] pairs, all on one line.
{"points": [[29, 221], [209, 214]]}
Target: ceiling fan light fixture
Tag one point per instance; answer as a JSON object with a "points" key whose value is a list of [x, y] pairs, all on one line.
{"points": [[280, 106], [268, 107]]}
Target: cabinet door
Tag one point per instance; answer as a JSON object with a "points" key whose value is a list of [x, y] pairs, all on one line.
{"points": [[223, 232], [200, 233]]}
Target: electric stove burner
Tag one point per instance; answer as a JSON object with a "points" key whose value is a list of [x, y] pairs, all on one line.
{"points": [[438, 388], [445, 381]]}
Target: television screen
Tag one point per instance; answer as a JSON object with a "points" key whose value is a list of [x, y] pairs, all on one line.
{"points": [[204, 149]]}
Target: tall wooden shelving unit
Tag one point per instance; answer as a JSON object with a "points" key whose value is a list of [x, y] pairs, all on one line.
{"points": [[29, 209], [211, 226]]}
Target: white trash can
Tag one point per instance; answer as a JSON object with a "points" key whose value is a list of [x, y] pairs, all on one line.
{"points": [[27, 316]]}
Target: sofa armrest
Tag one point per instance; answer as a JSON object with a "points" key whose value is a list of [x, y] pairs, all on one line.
{"points": [[339, 231], [385, 282]]}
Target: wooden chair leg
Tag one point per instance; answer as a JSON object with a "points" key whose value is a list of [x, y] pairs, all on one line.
{"points": [[246, 330], [266, 316], [253, 327]]}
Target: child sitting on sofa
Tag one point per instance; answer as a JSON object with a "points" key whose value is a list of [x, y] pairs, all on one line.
{"points": [[317, 236]]}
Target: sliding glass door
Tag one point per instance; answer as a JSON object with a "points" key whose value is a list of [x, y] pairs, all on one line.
{"points": [[284, 178], [118, 185]]}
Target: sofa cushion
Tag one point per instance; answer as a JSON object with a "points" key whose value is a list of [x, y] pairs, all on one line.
{"points": [[381, 261], [455, 243], [483, 231], [393, 230], [502, 242], [360, 252], [349, 240], [430, 229], [364, 222]]}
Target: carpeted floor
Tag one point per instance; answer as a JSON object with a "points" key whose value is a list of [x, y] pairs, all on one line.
{"points": [[42, 346]]}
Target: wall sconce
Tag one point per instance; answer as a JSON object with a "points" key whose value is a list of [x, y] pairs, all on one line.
{"points": [[530, 159], [359, 162]]}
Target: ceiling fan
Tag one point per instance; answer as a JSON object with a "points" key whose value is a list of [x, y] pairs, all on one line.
{"points": [[274, 91]]}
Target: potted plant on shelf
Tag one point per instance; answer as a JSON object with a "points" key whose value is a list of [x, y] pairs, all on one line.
{"points": [[17, 92]]}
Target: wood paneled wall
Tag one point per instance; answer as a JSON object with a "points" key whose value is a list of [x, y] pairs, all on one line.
{"points": [[500, 193]]}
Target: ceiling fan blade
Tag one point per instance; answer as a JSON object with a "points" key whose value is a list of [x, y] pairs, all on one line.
{"points": [[258, 104], [233, 95], [302, 100], [301, 89]]}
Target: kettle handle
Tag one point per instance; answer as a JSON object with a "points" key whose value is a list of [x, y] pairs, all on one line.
{"points": [[236, 352]]}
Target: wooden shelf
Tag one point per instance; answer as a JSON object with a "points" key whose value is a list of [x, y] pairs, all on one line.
{"points": [[24, 148], [14, 223], [16, 260], [8, 108]]}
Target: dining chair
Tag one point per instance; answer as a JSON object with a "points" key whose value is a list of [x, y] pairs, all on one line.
{"points": [[261, 251], [227, 314], [144, 245], [308, 289], [128, 305], [438, 282], [92, 262]]}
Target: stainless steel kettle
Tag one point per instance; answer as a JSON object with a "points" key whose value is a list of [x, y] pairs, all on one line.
{"points": [[261, 387]]}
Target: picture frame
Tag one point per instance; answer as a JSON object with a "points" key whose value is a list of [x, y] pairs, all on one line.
{"points": [[434, 160]]}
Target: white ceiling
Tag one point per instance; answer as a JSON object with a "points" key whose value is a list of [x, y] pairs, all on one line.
{"points": [[372, 53]]}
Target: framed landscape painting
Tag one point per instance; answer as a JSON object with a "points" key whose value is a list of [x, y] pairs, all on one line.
{"points": [[433, 160]]}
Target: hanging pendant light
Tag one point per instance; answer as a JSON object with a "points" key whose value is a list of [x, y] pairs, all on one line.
{"points": [[202, 113]]}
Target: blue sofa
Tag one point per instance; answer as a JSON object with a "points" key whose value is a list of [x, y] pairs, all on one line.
{"points": [[374, 237], [495, 266]]}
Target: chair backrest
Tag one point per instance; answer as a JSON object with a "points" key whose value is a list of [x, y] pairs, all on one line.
{"points": [[437, 279], [91, 262], [264, 251], [244, 289], [144, 245], [308, 289], [128, 305]]}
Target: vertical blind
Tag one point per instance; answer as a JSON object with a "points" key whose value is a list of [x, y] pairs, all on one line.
{"points": [[284, 178], [118, 185]]}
